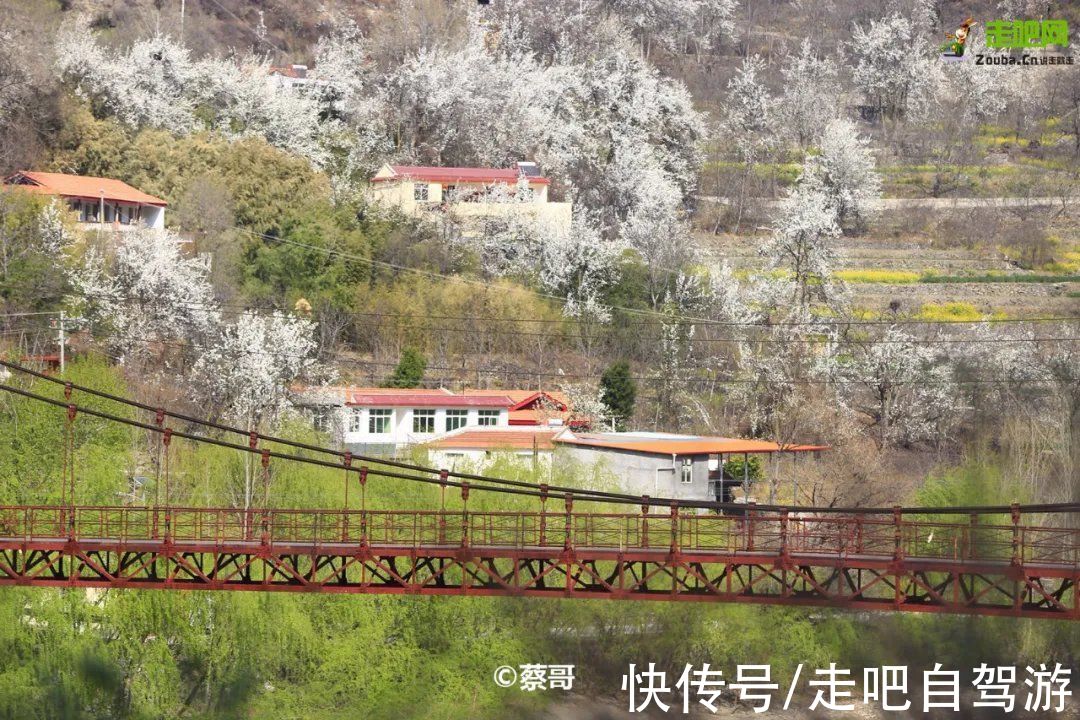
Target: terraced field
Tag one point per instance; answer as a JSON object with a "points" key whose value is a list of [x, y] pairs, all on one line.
{"points": [[918, 268]]}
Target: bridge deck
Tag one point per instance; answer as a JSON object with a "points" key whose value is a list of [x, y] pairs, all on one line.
{"points": [[853, 562]]}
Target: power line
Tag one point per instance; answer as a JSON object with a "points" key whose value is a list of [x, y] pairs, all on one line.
{"points": [[687, 319], [237, 310], [499, 485], [691, 340], [593, 376]]}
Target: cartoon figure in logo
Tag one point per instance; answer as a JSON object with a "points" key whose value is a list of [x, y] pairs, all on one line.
{"points": [[956, 41]]}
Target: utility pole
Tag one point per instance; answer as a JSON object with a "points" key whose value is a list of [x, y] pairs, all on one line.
{"points": [[183, 4], [60, 339]]}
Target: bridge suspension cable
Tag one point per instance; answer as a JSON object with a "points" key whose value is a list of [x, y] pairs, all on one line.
{"points": [[465, 481]]}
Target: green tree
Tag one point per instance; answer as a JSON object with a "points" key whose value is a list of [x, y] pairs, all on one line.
{"points": [[618, 392], [410, 369]]}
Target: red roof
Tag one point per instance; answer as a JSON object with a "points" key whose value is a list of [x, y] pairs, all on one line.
{"points": [[681, 445], [82, 186], [412, 398], [523, 405], [298, 72], [496, 439], [458, 175]]}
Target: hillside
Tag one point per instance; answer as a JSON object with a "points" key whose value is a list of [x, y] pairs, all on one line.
{"points": [[743, 221]]}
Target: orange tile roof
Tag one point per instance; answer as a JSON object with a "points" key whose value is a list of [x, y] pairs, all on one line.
{"points": [[474, 439], [83, 186], [685, 446]]}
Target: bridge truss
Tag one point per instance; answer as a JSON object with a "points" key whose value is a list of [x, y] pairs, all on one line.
{"points": [[1021, 561], [774, 558]]}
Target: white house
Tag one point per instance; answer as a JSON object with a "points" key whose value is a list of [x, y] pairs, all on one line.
{"points": [[385, 420], [466, 193], [479, 446], [287, 77], [98, 203]]}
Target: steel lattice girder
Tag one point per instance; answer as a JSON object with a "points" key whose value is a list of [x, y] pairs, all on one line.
{"points": [[868, 583]]}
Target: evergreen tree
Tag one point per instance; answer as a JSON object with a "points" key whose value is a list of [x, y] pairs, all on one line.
{"points": [[410, 369], [617, 392]]}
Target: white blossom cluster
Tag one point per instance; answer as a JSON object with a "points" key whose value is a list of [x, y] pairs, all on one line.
{"points": [[148, 296], [157, 83], [905, 385]]}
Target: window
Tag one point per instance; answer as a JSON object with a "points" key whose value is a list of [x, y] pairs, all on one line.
{"points": [[379, 421], [456, 419], [449, 193], [420, 192], [687, 470], [423, 421], [488, 417], [356, 416]]}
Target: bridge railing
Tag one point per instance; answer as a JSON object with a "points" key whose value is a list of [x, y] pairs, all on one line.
{"points": [[848, 536]]}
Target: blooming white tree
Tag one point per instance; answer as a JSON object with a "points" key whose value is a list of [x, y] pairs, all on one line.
{"points": [[245, 368], [848, 173], [586, 403], [676, 24], [802, 239], [811, 84], [237, 101], [151, 84], [895, 67], [53, 234], [903, 386], [352, 106], [657, 229], [579, 264], [157, 84], [749, 113], [749, 120], [780, 365], [147, 291], [467, 105], [606, 124]]}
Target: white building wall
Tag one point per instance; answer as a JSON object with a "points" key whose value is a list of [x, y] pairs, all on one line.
{"points": [[456, 458], [647, 474], [153, 217], [401, 425]]}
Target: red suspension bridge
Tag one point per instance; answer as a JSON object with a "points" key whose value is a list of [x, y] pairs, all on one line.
{"points": [[1021, 561]]}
